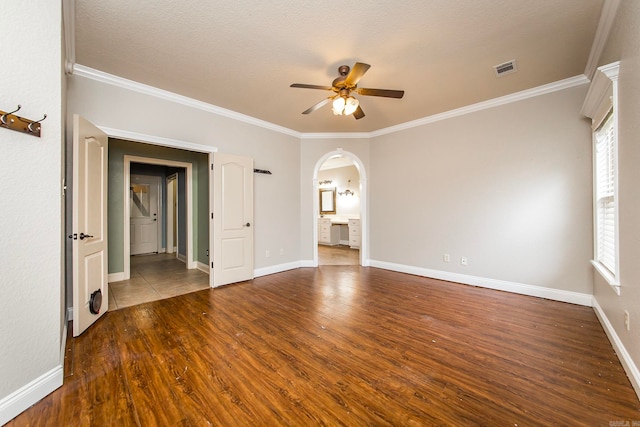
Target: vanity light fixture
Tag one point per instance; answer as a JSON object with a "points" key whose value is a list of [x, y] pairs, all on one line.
{"points": [[326, 181], [347, 191]]}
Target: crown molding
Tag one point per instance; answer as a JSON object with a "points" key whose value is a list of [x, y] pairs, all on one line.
{"points": [[607, 16], [503, 100], [90, 73], [336, 135], [101, 76], [69, 28]]}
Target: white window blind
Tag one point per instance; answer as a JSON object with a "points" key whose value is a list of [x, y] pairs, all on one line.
{"points": [[605, 194]]}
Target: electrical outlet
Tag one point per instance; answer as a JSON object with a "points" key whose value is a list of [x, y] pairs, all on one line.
{"points": [[446, 258], [267, 253], [627, 325], [464, 260]]}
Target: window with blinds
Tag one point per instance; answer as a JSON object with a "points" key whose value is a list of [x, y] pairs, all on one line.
{"points": [[605, 180]]}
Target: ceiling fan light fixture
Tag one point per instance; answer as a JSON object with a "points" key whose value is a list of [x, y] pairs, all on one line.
{"points": [[351, 105], [344, 105]]}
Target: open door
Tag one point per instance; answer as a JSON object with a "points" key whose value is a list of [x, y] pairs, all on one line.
{"points": [[90, 287], [232, 219]]}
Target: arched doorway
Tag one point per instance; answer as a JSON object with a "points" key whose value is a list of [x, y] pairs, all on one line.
{"points": [[343, 199]]}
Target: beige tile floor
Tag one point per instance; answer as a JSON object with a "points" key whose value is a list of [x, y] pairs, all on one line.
{"points": [[338, 255], [155, 277]]}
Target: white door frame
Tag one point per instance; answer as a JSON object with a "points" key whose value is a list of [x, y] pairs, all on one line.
{"points": [[171, 186], [127, 206], [172, 143], [364, 206]]}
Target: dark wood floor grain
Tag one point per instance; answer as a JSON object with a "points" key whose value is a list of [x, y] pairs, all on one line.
{"points": [[342, 345]]}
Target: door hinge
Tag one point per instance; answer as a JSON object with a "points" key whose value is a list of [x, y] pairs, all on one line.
{"points": [[211, 166], [211, 264], [211, 215]]}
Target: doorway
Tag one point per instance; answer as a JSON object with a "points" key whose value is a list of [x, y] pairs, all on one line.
{"points": [[340, 213]]}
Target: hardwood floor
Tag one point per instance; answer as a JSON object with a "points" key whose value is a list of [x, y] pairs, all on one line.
{"points": [[155, 277], [342, 345]]}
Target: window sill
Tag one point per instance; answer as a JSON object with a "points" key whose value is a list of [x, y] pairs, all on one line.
{"points": [[606, 275]]}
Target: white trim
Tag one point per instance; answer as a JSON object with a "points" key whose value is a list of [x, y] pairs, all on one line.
{"points": [[607, 276], [623, 355], [607, 17], [117, 277], [202, 267], [117, 81], [502, 285], [156, 140], [491, 103], [364, 204], [190, 238], [101, 76], [308, 263], [181, 257], [600, 88], [28, 395], [69, 28], [336, 135], [273, 269]]}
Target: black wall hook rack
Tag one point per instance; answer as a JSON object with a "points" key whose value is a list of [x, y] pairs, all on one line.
{"points": [[20, 124]]}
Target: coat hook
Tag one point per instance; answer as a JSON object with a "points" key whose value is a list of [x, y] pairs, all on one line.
{"points": [[33, 123], [4, 116]]}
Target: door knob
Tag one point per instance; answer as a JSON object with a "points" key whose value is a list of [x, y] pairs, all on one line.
{"points": [[247, 224], [84, 236]]}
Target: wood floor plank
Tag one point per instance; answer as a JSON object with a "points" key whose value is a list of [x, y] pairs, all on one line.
{"points": [[342, 345]]}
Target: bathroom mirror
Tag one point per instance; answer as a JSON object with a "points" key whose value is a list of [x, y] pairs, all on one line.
{"points": [[327, 201]]}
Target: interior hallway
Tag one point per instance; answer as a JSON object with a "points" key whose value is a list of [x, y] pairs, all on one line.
{"points": [[155, 277]]}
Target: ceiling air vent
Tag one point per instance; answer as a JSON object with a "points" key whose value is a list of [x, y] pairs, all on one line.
{"points": [[505, 68]]}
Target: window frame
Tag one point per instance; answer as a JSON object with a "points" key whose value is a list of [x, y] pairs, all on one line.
{"points": [[601, 105]]}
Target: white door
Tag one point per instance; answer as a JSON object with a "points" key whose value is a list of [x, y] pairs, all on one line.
{"points": [[143, 219], [232, 219], [90, 287]]}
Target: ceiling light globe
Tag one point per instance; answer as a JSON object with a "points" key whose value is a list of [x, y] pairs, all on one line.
{"points": [[338, 105], [351, 105]]}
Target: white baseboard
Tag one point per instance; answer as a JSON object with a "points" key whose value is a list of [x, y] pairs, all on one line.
{"points": [[15, 403], [344, 242], [501, 285], [272, 269], [182, 258], [625, 359], [307, 263], [116, 277], [202, 267]]}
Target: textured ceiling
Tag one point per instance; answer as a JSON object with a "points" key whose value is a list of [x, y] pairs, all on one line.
{"points": [[242, 55]]}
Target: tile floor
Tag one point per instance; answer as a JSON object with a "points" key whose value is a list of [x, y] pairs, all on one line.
{"points": [[338, 255], [155, 277]]}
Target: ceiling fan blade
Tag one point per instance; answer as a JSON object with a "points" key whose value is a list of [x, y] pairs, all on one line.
{"points": [[387, 93], [318, 105], [358, 114], [356, 73], [304, 86]]}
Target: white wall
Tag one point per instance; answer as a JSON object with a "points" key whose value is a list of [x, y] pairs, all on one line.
{"points": [[624, 46], [508, 187], [31, 215], [276, 196]]}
